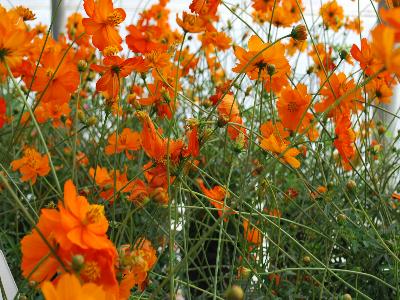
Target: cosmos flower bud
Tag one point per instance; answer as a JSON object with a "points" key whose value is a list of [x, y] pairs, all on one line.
{"points": [[82, 65], [299, 33], [234, 292], [77, 262]]}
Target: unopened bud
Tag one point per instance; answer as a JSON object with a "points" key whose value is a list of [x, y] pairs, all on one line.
{"points": [[234, 292], [299, 33]]}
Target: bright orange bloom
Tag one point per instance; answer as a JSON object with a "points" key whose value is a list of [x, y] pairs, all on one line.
{"points": [[280, 148], [57, 77], [268, 128], [14, 40], [114, 69], [76, 30], [34, 249], [252, 234], [144, 39], [127, 140], [228, 111], [193, 141], [332, 15], [263, 5], [293, 46], [339, 87], [345, 137], [69, 287], [292, 106], [383, 44], [216, 196], [52, 111], [218, 40], [31, 165], [105, 180], [265, 62], [103, 22], [138, 262], [84, 224], [191, 23], [355, 25], [366, 58], [205, 7], [379, 91], [391, 18]]}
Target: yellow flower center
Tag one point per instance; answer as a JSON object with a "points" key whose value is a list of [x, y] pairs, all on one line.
{"points": [[91, 271], [33, 158], [110, 51], [95, 213], [115, 18]]}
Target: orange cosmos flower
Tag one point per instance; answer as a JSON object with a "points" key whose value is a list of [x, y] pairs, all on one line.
{"points": [[280, 148], [191, 23], [102, 22], [264, 61], [383, 44], [205, 7], [69, 287], [345, 137], [76, 30], [144, 39], [251, 233], [366, 58], [31, 165], [14, 40], [105, 180], [114, 68], [52, 111], [138, 262], [153, 144], [339, 86], [57, 77], [292, 105], [193, 139], [332, 15], [127, 140], [391, 18], [355, 25], [84, 224], [216, 196], [228, 111], [268, 128], [263, 5], [379, 91], [34, 249]]}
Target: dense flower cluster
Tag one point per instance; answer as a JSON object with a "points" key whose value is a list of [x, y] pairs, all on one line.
{"points": [[140, 138]]}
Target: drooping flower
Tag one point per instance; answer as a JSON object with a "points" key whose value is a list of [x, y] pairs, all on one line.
{"points": [[345, 137], [216, 196], [251, 233], [31, 165], [137, 261]]}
